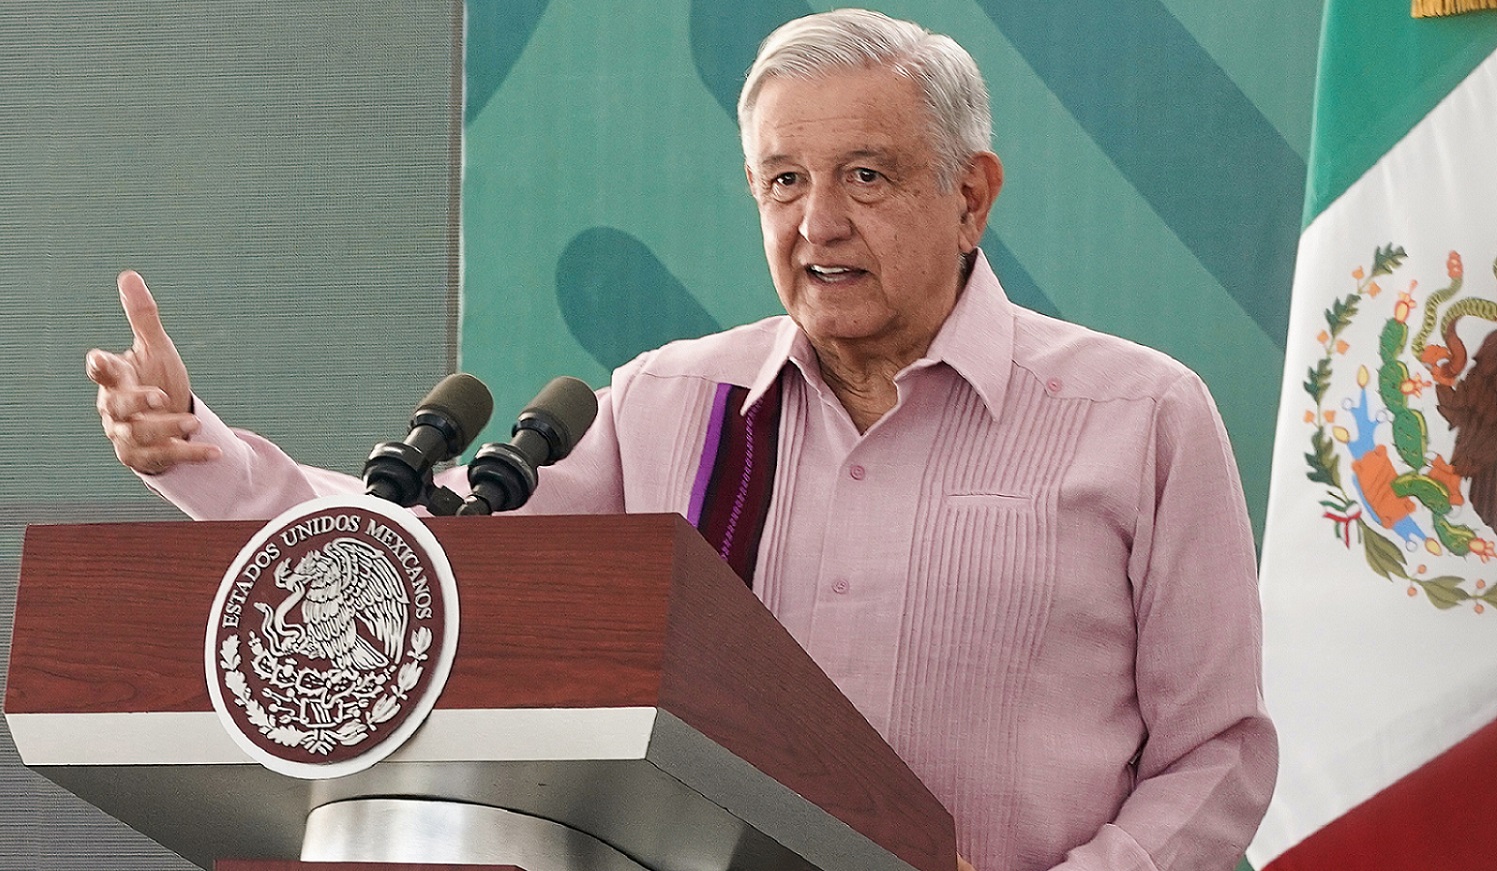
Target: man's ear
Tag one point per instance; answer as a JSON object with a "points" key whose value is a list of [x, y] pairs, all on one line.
{"points": [[979, 187]]}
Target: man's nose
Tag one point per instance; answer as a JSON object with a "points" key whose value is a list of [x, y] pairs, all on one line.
{"points": [[825, 216]]}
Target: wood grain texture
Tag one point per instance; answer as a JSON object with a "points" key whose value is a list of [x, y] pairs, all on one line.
{"points": [[112, 616], [559, 611], [556, 612]]}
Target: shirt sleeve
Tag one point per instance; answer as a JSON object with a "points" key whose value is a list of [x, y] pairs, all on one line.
{"points": [[253, 480], [1206, 771], [256, 480]]}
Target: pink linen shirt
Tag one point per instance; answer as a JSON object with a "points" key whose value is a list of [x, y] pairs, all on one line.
{"points": [[1034, 576]]}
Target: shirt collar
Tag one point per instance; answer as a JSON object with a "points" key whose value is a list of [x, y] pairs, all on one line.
{"points": [[788, 341], [976, 340]]}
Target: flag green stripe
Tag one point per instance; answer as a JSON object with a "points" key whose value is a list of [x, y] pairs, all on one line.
{"points": [[1366, 99]]}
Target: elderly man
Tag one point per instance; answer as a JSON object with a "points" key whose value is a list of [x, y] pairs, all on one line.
{"points": [[1019, 546]]}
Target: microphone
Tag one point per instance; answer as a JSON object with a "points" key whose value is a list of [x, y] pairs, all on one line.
{"points": [[443, 424], [503, 475]]}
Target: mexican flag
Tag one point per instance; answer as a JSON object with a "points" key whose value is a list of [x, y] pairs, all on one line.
{"points": [[1379, 572]]}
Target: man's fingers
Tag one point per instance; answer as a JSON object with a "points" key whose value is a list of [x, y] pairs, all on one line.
{"points": [[153, 443], [124, 403], [149, 430], [140, 309], [144, 397], [108, 370]]}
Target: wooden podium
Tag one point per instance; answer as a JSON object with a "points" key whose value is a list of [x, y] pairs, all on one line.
{"points": [[612, 675]]}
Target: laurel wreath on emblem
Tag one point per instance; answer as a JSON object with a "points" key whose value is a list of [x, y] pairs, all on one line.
{"points": [[318, 710], [1400, 488]]}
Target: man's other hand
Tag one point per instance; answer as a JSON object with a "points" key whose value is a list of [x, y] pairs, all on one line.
{"points": [[963, 865], [145, 399]]}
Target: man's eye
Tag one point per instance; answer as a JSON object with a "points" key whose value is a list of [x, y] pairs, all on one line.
{"points": [[866, 176], [783, 187]]}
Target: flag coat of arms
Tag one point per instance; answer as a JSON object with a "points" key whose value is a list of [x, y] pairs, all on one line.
{"points": [[1379, 572]]}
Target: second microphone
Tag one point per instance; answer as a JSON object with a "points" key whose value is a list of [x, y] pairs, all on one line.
{"points": [[503, 475]]}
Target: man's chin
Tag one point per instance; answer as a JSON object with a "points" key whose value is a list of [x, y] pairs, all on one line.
{"points": [[828, 329]]}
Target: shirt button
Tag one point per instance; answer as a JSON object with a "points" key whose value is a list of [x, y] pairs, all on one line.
{"points": [[841, 586], [857, 472], [1054, 385]]}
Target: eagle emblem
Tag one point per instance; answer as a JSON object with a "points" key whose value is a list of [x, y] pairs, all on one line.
{"points": [[353, 607], [331, 635], [1395, 395]]}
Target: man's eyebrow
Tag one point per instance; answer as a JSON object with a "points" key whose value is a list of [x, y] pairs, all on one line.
{"points": [[853, 156], [772, 160]]}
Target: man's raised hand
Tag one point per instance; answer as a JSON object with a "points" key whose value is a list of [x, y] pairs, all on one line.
{"points": [[145, 398]]}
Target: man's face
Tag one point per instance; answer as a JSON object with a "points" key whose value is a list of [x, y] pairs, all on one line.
{"points": [[863, 245]]}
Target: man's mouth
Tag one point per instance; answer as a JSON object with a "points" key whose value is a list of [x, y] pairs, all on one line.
{"points": [[832, 274]]}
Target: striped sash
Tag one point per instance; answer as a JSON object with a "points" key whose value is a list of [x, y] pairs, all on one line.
{"points": [[735, 477]]}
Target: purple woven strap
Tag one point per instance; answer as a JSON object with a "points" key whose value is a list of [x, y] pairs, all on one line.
{"points": [[735, 478]]}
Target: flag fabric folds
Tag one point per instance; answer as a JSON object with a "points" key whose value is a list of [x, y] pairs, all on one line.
{"points": [[1379, 571]]}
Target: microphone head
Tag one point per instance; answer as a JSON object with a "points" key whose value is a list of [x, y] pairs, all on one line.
{"points": [[459, 405], [562, 411]]}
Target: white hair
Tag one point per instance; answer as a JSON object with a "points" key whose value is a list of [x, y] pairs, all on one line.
{"points": [[961, 122]]}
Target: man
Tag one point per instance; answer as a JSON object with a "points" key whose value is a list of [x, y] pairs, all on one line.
{"points": [[1020, 547]]}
